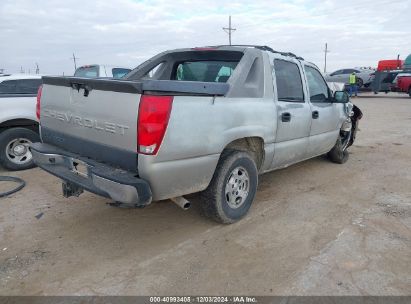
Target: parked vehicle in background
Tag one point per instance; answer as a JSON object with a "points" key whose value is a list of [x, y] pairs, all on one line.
{"points": [[207, 120], [403, 83], [18, 121], [390, 64], [101, 71], [364, 76]]}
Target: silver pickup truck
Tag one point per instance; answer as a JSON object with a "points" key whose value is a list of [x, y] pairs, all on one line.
{"points": [[206, 120]]}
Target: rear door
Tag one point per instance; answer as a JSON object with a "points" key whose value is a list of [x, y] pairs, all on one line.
{"points": [[294, 114], [324, 113]]}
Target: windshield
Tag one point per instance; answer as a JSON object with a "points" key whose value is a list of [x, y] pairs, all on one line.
{"points": [[120, 72], [90, 71]]}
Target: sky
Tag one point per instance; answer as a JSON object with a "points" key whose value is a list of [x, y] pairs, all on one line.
{"points": [[127, 32]]}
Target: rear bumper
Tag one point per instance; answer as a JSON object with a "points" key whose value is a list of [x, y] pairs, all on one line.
{"points": [[117, 184]]}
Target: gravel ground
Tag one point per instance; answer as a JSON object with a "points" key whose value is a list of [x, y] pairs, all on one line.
{"points": [[316, 228]]}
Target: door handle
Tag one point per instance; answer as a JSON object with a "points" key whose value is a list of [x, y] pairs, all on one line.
{"points": [[285, 117], [316, 114]]}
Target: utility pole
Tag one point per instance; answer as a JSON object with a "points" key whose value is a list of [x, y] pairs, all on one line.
{"points": [[229, 29], [37, 68], [325, 57], [75, 62]]}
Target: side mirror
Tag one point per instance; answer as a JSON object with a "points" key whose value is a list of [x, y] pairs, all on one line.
{"points": [[341, 97]]}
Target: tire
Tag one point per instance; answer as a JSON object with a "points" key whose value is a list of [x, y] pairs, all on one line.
{"points": [[223, 206], [360, 83], [338, 153], [14, 152], [409, 92]]}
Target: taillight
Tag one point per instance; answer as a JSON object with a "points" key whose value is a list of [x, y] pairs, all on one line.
{"points": [[38, 104], [153, 115]]}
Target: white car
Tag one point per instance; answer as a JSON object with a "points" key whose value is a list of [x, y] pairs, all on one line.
{"points": [[364, 76], [98, 71], [18, 121]]}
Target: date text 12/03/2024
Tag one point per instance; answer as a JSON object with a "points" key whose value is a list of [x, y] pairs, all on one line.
{"points": [[203, 299]]}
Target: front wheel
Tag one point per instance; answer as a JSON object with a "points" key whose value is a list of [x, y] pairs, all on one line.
{"points": [[232, 189], [339, 153], [14, 148]]}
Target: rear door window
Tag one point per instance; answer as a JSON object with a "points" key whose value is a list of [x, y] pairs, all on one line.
{"points": [[206, 71], [20, 86], [28, 86], [8, 87], [288, 79], [349, 71], [339, 72], [87, 71]]}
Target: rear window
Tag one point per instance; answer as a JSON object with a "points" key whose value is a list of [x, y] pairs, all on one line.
{"points": [[120, 72], [20, 86], [206, 71], [87, 71]]}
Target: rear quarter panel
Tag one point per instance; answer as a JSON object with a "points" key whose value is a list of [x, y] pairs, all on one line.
{"points": [[17, 108], [199, 129]]}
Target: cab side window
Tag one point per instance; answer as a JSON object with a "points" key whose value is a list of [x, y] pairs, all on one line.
{"points": [[317, 87], [288, 79]]}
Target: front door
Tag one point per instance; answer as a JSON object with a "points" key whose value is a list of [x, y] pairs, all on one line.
{"points": [[294, 114], [325, 114]]}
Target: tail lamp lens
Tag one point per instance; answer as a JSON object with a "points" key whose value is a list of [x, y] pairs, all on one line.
{"points": [[154, 113], [38, 104]]}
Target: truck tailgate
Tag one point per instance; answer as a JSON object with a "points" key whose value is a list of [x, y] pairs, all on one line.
{"points": [[93, 118]]}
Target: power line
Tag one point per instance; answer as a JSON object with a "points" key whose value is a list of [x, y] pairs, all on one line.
{"points": [[229, 29], [325, 57]]}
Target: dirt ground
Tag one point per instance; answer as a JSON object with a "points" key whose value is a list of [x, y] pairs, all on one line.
{"points": [[316, 228]]}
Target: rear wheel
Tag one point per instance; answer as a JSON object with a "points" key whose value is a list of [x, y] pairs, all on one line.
{"points": [[232, 189], [14, 148], [360, 83], [409, 91]]}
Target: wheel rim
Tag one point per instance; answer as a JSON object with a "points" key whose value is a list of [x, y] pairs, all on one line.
{"points": [[18, 152], [237, 187]]}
